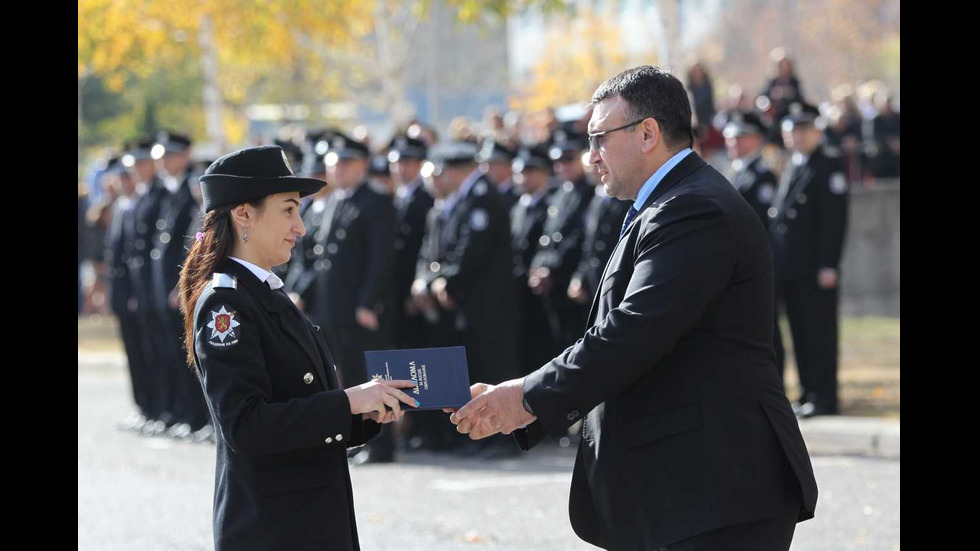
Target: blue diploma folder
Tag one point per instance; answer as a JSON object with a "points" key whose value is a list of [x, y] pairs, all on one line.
{"points": [[441, 377]]}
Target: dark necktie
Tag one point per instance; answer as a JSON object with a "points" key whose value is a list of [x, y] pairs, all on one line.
{"points": [[629, 218]]}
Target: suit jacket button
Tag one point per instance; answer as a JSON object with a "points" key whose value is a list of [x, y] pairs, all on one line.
{"points": [[340, 437], [573, 415], [308, 378], [329, 440]]}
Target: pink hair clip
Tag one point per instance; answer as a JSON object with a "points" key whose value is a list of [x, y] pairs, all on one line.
{"points": [[199, 236]]}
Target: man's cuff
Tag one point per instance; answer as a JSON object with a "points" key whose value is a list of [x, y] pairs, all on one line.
{"points": [[527, 407]]}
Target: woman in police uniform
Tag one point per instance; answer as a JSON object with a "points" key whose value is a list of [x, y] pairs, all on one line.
{"points": [[283, 421]]}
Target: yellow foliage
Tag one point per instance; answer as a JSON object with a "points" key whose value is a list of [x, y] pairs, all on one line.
{"points": [[579, 55]]}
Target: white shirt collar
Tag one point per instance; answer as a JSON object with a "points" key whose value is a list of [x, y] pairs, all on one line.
{"points": [[264, 276]]}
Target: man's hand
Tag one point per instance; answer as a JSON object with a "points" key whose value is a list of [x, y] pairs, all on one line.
{"points": [[498, 408]]}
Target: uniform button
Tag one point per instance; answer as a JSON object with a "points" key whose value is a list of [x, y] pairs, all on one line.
{"points": [[340, 437], [544, 241], [600, 246], [165, 238], [772, 212], [435, 267], [318, 250], [801, 199], [161, 224], [308, 378], [791, 214], [327, 264], [556, 237], [332, 248], [341, 234], [552, 211], [329, 440], [594, 262], [573, 415], [155, 254]]}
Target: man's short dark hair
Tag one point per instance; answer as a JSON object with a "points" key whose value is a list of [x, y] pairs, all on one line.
{"points": [[652, 92]]}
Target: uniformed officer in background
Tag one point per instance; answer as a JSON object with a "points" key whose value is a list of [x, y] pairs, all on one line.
{"points": [[744, 137], [412, 205], [146, 212], [172, 236], [532, 168], [560, 246], [308, 256], [466, 268], [352, 282], [495, 161], [807, 227]]}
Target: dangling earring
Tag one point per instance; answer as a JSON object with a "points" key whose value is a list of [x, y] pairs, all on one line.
{"points": [[244, 236]]}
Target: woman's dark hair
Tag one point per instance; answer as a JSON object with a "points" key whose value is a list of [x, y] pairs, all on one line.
{"points": [[202, 260]]}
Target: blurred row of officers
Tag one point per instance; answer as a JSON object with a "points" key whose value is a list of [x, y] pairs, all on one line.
{"points": [[496, 249]]}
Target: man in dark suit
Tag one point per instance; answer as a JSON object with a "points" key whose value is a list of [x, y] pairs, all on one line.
{"points": [[688, 440]]}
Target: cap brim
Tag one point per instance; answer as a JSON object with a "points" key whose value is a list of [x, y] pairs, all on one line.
{"points": [[251, 189]]}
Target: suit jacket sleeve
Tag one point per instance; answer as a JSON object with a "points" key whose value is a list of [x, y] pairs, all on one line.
{"points": [[683, 261]]}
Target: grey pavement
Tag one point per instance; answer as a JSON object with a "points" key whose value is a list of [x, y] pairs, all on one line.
{"points": [[150, 494]]}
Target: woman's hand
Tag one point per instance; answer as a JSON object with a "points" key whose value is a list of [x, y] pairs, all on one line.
{"points": [[370, 400]]}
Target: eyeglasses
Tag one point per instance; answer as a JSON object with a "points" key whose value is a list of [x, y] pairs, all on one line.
{"points": [[594, 139]]}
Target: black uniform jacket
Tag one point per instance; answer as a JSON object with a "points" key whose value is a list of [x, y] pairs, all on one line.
{"points": [[283, 422]]}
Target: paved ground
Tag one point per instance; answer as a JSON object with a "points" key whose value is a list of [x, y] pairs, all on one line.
{"points": [[152, 494]]}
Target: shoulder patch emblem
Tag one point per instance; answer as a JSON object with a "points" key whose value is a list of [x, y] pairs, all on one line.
{"points": [[224, 327]]}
